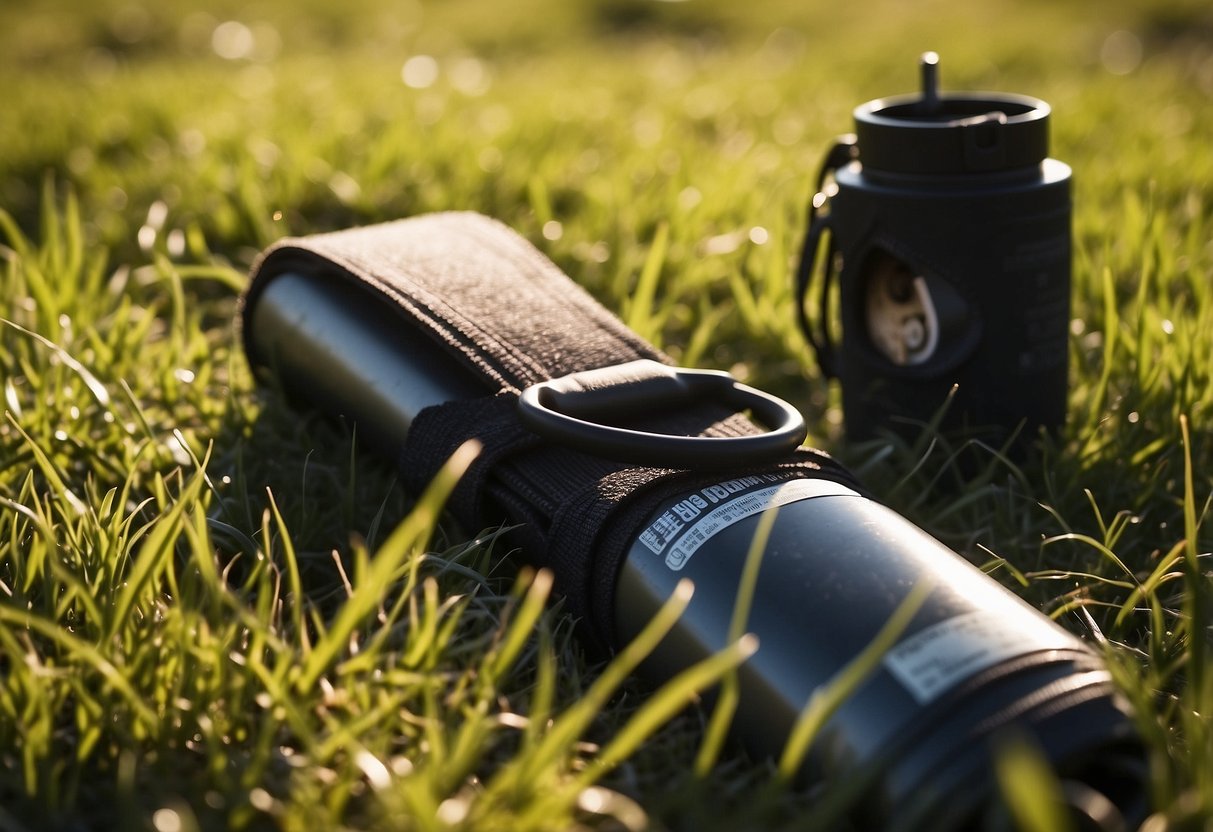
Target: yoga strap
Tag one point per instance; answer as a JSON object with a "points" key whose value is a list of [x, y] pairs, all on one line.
{"points": [[485, 295]]}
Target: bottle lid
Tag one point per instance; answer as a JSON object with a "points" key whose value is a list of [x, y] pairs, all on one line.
{"points": [[951, 133]]}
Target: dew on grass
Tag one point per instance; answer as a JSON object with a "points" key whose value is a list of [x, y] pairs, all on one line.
{"points": [[178, 451], [781, 49], [722, 244], [704, 102], [267, 43], [344, 187], [494, 120], [374, 770], [264, 151], [647, 129], [453, 810], [256, 81], [146, 238], [157, 213], [1121, 52], [167, 820], [175, 243], [470, 77], [191, 142], [1174, 121], [419, 72], [627, 813], [233, 40], [788, 130], [513, 720], [80, 160], [261, 799], [10, 398], [157, 150], [430, 108], [689, 197], [116, 198]]}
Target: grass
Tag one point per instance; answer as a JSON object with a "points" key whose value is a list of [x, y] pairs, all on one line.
{"points": [[218, 613]]}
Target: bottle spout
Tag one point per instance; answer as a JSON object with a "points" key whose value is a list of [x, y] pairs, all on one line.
{"points": [[928, 66]]}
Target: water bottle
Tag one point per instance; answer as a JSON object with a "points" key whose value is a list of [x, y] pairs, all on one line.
{"points": [[947, 229]]}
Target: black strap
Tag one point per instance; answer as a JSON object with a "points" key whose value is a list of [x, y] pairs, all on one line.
{"points": [[819, 335], [487, 296]]}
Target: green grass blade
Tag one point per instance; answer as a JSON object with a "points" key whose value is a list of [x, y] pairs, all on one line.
{"points": [[88, 655], [156, 551], [1030, 788], [825, 701], [389, 559], [673, 696], [574, 721], [726, 705], [641, 307], [296, 600]]}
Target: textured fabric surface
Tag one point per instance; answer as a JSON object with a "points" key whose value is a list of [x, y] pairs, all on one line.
{"points": [[479, 288], [485, 295]]}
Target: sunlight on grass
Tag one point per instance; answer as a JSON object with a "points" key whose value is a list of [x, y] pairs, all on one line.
{"points": [[216, 612]]}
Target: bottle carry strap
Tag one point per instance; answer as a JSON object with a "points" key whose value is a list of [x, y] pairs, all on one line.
{"points": [[488, 297], [818, 333]]}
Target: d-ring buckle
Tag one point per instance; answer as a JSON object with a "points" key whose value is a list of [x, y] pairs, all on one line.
{"points": [[572, 410]]}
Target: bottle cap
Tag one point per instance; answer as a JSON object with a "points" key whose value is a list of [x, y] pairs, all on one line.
{"points": [[951, 133]]}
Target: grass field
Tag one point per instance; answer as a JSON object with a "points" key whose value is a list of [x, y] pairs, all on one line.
{"points": [[216, 613]]}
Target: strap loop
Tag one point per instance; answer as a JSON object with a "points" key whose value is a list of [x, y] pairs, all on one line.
{"points": [[577, 410], [844, 151]]}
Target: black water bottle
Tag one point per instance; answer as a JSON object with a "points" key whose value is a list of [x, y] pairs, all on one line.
{"points": [[948, 231], [972, 669]]}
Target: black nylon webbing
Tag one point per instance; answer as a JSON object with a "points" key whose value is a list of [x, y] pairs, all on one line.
{"points": [[487, 296]]}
